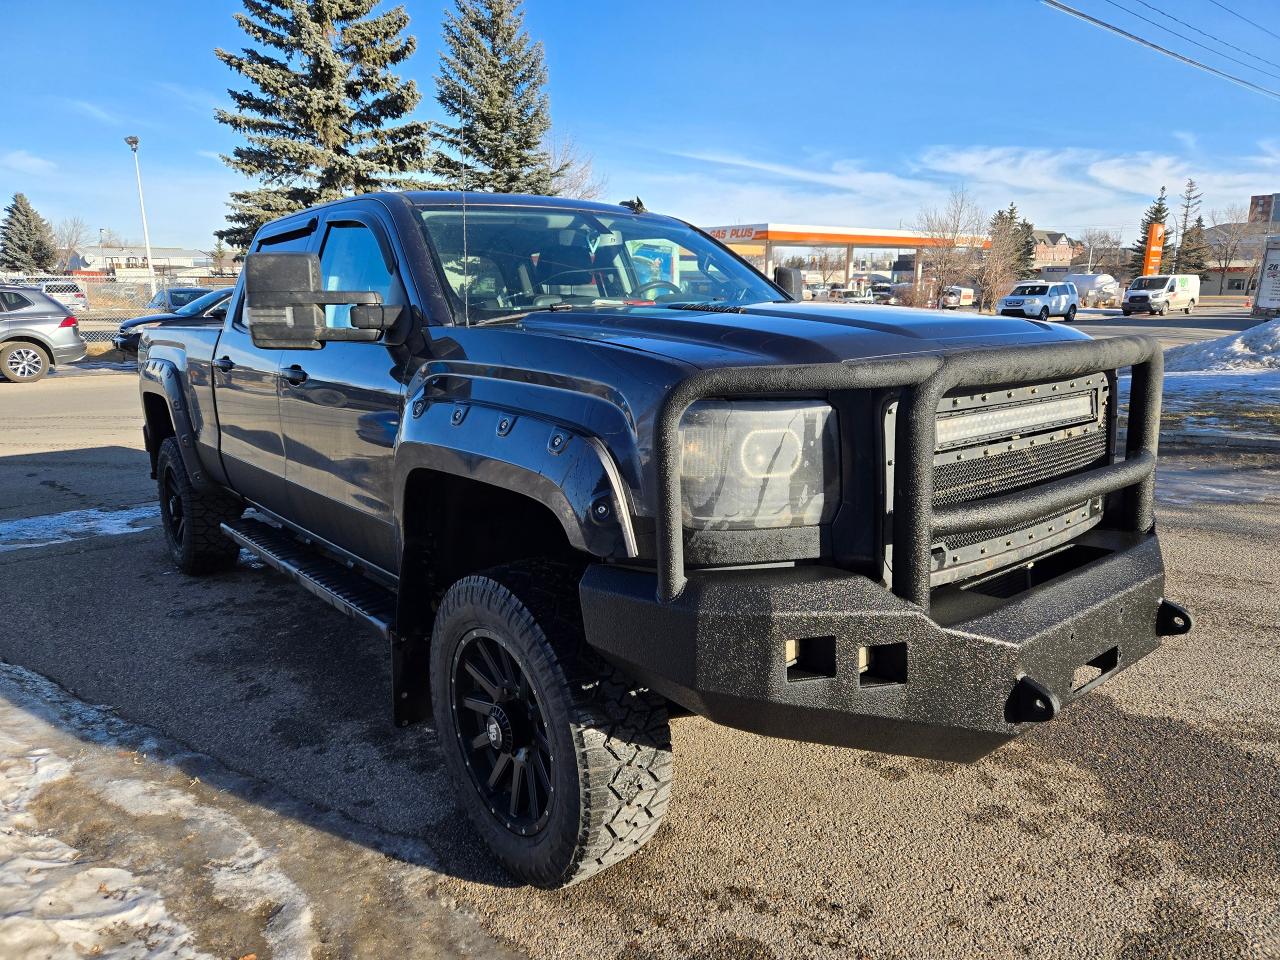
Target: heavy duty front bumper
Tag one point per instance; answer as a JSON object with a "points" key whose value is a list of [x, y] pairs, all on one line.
{"points": [[882, 675], [827, 655]]}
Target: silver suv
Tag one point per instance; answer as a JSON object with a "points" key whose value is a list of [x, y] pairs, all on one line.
{"points": [[36, 332], [1040, 300]]}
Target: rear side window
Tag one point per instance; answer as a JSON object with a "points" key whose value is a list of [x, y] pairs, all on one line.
{"points": [[13, 301]]}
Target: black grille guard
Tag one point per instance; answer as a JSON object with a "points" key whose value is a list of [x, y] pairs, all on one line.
{"points": [[925, 380]]}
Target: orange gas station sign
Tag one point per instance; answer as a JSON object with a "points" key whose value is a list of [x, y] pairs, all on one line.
{"points": [[1155, 250]]}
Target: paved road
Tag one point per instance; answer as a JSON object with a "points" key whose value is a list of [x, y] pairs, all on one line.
{"points": [[1207, 323], [1143, 823]]}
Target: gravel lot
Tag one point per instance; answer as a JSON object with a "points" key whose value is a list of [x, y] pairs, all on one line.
{"points": [[1145, 822]]}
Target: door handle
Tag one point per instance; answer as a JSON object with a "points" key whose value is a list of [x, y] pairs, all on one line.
{"points": [[294, 374], [225, 364]]}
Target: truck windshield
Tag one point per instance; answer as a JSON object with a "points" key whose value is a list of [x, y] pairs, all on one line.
{"points": [[511, 260], [1149, 283]]}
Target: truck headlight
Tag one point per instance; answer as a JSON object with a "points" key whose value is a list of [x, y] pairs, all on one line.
{"points": [[754, 465]]}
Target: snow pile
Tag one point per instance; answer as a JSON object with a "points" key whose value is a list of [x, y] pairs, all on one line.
{"points": [[55, 904], [1257, 348]]}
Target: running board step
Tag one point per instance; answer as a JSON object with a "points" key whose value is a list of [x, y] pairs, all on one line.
{"points": [[329, 580]]}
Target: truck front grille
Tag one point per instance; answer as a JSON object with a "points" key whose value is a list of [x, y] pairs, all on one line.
{"points": [[1010, 470], [1009, 439]]}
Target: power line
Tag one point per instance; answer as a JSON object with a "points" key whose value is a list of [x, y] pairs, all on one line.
{"points": [[1183, 36], [1112, 28], [1251, 23], [1206, 33]]}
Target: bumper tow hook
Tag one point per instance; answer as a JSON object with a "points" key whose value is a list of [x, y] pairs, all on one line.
{"points": [[1031, 702], [1172, 620]]}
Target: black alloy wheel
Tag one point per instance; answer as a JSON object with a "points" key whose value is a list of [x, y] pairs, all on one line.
{"points": [[172, 512], [503, 733]]}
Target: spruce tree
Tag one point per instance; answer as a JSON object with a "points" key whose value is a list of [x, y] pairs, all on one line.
{"points": [[1190, 210], [1158, 212], [491, 85], [1025, 254], [26, 239], [320, 114], [1193, 250]]}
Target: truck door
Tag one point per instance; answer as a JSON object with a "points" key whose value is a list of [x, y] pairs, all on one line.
{"points": [[246, 394], [340, 406]]}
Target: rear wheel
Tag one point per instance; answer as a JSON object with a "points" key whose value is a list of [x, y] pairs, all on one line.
{"points": [[192, 519], [1190, 307], [23, 362], [562, 763], [1071, 314]]}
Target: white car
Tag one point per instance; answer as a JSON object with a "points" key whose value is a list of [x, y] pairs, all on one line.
{"points": [[1040, 300]]}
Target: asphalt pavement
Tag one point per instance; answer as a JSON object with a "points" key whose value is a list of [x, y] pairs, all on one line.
{"points": [[1144, 822]]}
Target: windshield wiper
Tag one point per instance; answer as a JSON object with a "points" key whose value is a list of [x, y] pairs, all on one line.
{"points": [[507, 317]]}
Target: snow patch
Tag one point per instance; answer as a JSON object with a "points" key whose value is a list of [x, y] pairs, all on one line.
{"points": [[1257, 348], [74, 525], [54, 904]]}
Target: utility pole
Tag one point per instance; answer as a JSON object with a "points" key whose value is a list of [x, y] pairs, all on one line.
{"points": [[102, 251], [146, 236]]}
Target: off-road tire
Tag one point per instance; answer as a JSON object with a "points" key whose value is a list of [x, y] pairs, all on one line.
{"points": [[610, 745], [23, 362], [197, 543]]}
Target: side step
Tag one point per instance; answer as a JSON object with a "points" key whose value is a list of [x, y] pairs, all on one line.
{"points": [[329, 580]]}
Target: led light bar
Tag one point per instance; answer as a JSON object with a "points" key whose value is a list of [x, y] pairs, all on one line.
{"points": [[1015, 420]]}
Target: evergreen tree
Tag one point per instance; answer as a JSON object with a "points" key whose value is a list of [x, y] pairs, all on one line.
{"points": [[1025, 253], [320, 113], [491, 83], [1194, 251], [26, 239], [1158, 212], [1190, 210]]}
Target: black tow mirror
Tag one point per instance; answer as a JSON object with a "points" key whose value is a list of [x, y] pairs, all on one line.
{"points": [[791, 280], [285, 300]]}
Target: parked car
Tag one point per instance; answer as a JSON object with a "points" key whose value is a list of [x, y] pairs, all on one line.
{"points": [[212, 306], [167, 301], [566, 498], [36, 333], [1041, 300], [68, 292], [1162, 293], [852, 296], [884, 293]]}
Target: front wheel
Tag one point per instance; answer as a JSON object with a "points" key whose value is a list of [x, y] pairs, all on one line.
{"points": [[562, 763], [23, 362]]}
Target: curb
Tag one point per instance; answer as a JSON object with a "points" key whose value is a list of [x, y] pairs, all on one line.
{"points": [[1213, 438]]}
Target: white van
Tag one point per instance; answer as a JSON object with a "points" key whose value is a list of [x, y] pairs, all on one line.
{"points": [[1162, 293]]}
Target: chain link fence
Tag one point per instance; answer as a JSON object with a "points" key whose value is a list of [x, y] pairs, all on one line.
{"points": [[101, 304]]}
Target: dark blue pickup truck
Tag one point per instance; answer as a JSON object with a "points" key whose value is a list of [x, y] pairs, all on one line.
{"points": [[583, 469]]}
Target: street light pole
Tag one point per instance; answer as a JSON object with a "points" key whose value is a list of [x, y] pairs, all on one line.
{"points": [[102, 251], [146, 236]]}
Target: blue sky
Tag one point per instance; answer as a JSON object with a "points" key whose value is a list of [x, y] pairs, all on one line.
{"points": [[834, 111]]}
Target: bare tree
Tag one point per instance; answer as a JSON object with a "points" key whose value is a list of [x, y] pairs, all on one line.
{"points": [[952, 249], [1098, 245], [828, 263], [1001, 263], [1232, 239], [110, 238], [571, 170], [69, 236]]}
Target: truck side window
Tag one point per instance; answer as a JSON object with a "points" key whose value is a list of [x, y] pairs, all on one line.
{"points": [[352, 260]]}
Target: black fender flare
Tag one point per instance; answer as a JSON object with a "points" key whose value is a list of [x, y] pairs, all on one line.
{"points": [[569, 472], [161, 377]]}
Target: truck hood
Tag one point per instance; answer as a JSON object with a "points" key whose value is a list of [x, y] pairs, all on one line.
{"points": [[793, 332]]}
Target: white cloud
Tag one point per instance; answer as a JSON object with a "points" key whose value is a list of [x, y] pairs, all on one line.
{"points": [[20, 161], [1068, 189], [93, 110]]}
